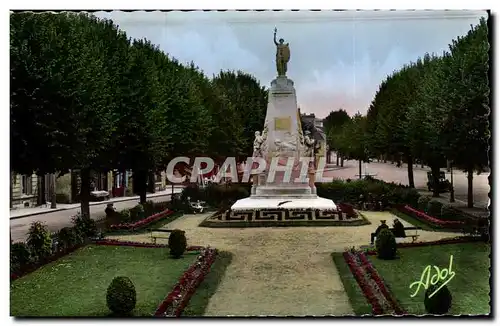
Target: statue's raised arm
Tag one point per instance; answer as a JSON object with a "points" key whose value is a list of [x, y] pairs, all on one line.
{"points": [[275, 42]]}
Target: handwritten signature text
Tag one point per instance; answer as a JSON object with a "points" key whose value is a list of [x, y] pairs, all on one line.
{"points": [[445, 275]]}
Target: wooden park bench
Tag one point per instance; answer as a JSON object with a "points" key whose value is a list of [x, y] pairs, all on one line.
{"points": [[413, 236], [159, 234]]}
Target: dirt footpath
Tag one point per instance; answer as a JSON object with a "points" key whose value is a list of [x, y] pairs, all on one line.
{"points": [[280, 271]]}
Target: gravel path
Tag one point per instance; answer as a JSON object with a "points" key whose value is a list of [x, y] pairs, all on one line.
{"points": [[280, 271]]}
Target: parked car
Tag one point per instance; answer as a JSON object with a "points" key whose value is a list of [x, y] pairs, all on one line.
{"points": [[444, 184]]}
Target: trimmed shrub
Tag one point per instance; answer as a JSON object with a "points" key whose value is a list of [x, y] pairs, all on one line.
{"points": [[125, 216], [39, 241], [68, 237], [121, 296], [193, 191], [434, 208], [352, 191], [448, 213], [149, 208], [410, 196], [440, 302], [177, 243], [19, 255], [177, 205], [423, 203], [386, 245], [484, 228], [159, 207], [85, 226], [137, 213], [218, 196]]}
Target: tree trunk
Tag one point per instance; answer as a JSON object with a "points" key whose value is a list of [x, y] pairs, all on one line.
{"points": [[452, 190], [338, 158], [123, 182], [43, 195], [411, 181], [360, 172], [53, 203], [470, 194], [151, 183], [435, 179], [140, 185], [342, 161], [12, 176], [74, 186], [85, 192]]}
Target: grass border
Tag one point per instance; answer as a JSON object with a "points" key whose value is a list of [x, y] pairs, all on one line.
{"points": [[359, 302], [245, 224], [198, 303]]}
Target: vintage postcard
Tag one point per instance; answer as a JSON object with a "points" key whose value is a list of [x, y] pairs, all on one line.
{"points": [[250, 163]]}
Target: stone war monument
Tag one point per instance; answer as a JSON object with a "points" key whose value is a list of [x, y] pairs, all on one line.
{"points": [[285, 197]]}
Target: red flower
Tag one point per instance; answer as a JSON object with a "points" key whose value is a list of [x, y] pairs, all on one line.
{"points": [[150, 219], [187, 284]]}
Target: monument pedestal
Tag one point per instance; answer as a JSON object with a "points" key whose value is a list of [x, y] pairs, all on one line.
{"points": [[277, 201], [283, 141]]}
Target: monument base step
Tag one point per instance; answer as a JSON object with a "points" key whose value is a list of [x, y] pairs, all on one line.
{"points": [[281, 191], [284, 202]]}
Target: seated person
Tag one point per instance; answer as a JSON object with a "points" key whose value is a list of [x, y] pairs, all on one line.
{"points": [[398, 229], [382, 225], [110, 210]]}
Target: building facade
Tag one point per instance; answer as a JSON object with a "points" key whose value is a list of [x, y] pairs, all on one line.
{"points": [[32, 190]]}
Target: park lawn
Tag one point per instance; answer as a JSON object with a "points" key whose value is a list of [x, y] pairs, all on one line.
{"points": [[470, 288], [76, 285], [359, 303]]}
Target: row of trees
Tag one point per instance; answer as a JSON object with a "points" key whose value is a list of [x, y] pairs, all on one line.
{"points": [[434, 110], [86, 97]]}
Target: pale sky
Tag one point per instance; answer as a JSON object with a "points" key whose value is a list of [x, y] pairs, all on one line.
{"points": [[338, 59]]}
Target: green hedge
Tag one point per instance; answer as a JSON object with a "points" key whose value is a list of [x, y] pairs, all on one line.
{"points": [[216, 195], [350, 192]]}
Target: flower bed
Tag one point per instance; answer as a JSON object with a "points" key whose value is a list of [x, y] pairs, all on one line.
{"points": [[175, 302], [422, 216], [371, 284], [143, 222], [112, 242]]}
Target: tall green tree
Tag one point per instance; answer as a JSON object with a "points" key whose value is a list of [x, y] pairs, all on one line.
{"points": [[467, 89], [240, 110], [60, 117], [424, 122], [353, 140], [333, 124]]}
